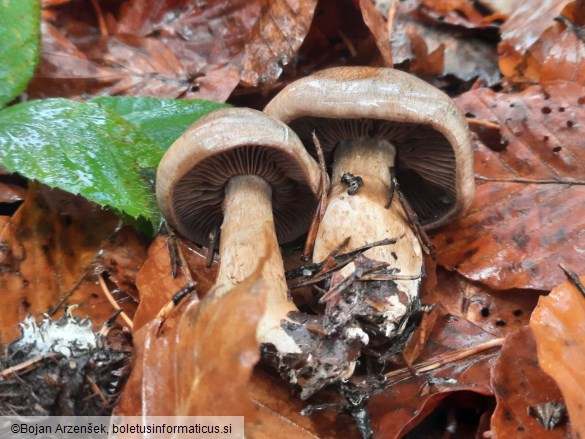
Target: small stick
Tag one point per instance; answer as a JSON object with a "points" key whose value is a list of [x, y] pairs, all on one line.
{"points": [[100, 16], [175, 252], [27, 366], [323, 201], [482, 123], [572, 276], [167, 310], [413, 221], [172, 247], [531, 181], [96, 390], [211, 246], [450, 357], [392, 189], [113, 302], [390, 277]]}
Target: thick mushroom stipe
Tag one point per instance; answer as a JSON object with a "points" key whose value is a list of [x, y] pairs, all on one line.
{"points": [[248, 232], [249, 173], [364, 218], [375, 119]]}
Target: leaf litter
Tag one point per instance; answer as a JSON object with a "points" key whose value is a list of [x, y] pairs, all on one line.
{"points": [[521, 173]]}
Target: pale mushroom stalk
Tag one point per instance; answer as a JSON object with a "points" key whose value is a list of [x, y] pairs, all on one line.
{"points": [[366, 219], [247, 233], [372, 119]]}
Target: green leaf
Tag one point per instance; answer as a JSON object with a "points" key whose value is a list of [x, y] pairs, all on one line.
{"points": [[81, 148], [163, 120], [19, 45]]}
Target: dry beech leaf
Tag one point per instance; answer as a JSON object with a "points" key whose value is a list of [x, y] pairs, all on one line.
{"points": [[276, 38], [156, 283], [519, 384], [46, 254], [515, 233], [558, 323], [209, 349], [403, 405]]}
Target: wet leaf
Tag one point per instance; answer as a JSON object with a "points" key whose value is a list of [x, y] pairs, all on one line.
{"points": [[279, 413], [11, 193], [157, 284], [519, 384], [163, 120], [516, 233], [209, 348], [531, 39], [496, 312], [48, 256], [407, 402], [275, 39], [558, 323], [208, 39], [431, 49], [83, 149], [19, 46]]}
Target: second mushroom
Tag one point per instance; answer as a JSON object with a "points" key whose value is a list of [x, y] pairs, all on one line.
{"points": [[376, 127]]}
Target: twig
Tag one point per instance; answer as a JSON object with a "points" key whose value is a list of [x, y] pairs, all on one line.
{"points": [[324, 269], [211, 246], [167, 310], [392, 189], [175, 251], [413, 221], [89, 269], [482, 123], [531, 181], [443, 359], [572, 276], [27, 366], [323, 201], [113, 302], [100, 16]]}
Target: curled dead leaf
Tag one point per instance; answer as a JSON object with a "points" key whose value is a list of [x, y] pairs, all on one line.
{"points": [[558, 323]]}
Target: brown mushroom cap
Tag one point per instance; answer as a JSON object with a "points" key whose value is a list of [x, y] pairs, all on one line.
{"points": [[434, 154], [236, 141]]}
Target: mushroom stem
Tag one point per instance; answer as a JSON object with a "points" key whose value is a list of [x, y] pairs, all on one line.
{"points": [[363, 216], [247, 233]]}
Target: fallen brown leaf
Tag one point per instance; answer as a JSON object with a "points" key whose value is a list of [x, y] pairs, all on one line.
{"points": [[516, 233], [404, 404], [496, 312], [279, 414], [209, 349], [47, 257], [275, 39], [430, 48], [156, 283], [531, 39], [209, 39], [558, 323], [519, 384]]}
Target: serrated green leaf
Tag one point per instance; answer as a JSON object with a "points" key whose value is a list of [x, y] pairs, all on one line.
{"points": [[163, 120], [81, 148], [19, 45]]}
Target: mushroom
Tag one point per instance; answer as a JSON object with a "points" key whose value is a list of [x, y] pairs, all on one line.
{"points": [[380, 124], [249, 173]]}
